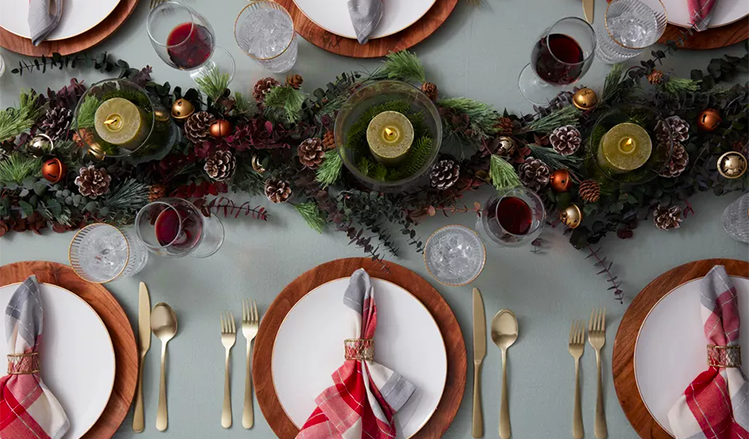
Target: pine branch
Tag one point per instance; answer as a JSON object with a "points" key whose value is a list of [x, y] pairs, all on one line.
{"points": [[243, 106], [503, 175], [87, 112], [554, 159], [312, 215], [330, 170], [14, 121], [566, 116], [17, 167], [615, 83], [606, 270], [403, 65], [130, 195], [213, 83], [284, 103], [247, 179], [482, 116]]}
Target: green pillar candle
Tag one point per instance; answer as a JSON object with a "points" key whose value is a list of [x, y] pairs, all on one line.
{"points": [[624, 148], [390, 135], [120, 122]]}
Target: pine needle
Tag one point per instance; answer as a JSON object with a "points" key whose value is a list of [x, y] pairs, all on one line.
{"points": [[676, 85], [312, 215], [243, 106], [565, 116], [17, 167], [417, 157], [482, 116], [130, 195], [503, 175], [404, 66], [554, 159], [213, 82], [330, 170], [613, 83], [14, 121], [87, 112], [285, 103]]}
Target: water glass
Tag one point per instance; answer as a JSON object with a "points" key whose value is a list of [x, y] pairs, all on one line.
{"points": [[735, 219], [454, 255], [265, 31], [631, 27], [512, 218], [101, 253]]}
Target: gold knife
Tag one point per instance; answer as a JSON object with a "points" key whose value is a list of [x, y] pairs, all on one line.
{"points": [[144, 335], [479, 352], [589, 7]]}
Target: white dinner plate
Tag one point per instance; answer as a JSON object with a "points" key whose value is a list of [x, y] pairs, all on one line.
{"points": [[333, 15], [77, 355], [671, 350], [309, 348], [725, 12], [78, 16]]}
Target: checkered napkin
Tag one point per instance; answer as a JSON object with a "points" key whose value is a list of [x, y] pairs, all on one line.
{"points": [[365, 395], [365, 16], [700, 12], [716, 404], [44, 16], [28, 410]]}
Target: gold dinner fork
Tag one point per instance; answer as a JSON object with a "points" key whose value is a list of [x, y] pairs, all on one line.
{"points": [[597, 338], [577, 346], [250, 324], [228, 338], [155, 3]]}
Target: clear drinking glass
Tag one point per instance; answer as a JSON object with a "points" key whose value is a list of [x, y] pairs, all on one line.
{"points": [[101, 253], [454, 255], [512, 218], [735, 219], [631, 27], [264, 29], [185, 40], [175, 227]]}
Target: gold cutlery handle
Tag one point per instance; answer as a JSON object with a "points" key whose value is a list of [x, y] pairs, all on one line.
{"points": [[162, 416], [504, 411], [477, 426], [600, 426], [577, 421], [248, 417], [226, 411], [139, 423]]}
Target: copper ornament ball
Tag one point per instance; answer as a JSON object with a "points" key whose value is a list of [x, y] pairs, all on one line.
{"points": [[732, 165], [709, 119], [560, 180], [585, 99], [221, 128], [53, 170], [572, 216], [506, 146], [182, 109]]}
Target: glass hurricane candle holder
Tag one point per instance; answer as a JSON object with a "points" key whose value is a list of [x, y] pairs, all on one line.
{"points": [[101, 253]]}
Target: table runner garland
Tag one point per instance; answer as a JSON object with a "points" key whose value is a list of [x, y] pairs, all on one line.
{"points": [[279, 141]]}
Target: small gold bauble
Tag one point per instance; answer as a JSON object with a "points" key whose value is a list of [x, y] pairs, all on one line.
{"points": [[220, 128], [53, 170], [182, 109], [40, 145], [709, 119], [161, 115], [585, 99], [96, 152], [506, 146], [560, 180], [572, 216], [732, 165], [256, 165]]}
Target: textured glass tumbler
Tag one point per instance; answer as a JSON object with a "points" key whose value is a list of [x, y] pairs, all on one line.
{"points": [[512, 218], [101, 253], [735, 219], [631, 27], [265, 31]]}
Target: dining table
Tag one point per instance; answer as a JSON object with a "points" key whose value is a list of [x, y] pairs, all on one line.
{"points": [[477, 53]]}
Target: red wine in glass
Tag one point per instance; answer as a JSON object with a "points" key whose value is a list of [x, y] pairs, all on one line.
{"points": [[558, 59], [509, 214], [178, 228], [189, 45]]}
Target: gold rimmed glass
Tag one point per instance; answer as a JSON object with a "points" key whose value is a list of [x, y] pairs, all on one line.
{"points": [[101, 253], [265, 31], [631, 27]]}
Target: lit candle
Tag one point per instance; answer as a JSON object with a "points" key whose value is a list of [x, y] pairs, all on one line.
{"points": [[624, 148], [390, 135], [120, 122]]}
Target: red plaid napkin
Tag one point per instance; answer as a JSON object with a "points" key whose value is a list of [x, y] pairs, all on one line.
{"points": [[365, 395], [700, 12], [716, 403], [28, 410]]}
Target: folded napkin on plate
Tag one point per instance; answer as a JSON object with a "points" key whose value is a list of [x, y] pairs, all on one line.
{"points": [[365, 16], [365, 395], [716, 404], [28, 410], [44, 16], [699, 13]]}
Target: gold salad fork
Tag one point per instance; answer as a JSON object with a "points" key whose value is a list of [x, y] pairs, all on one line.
{"points": [[577, 346], [250, 324], [597, 338], [228, 338]]}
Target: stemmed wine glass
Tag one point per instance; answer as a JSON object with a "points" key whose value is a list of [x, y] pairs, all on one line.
{"points": [[512, 218], [185, 40], [561, 57]]}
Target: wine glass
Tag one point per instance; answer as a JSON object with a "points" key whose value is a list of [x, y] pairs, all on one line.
{"points": [[631, 27], [561, 57], [512, 218], [185, 40], [101, 253], [265, 31], [175, 227]]}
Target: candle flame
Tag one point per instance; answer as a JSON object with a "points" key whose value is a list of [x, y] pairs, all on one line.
{"points": [[390, 134], [114, 122]]}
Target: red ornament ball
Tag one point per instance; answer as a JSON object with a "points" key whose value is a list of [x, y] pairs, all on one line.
{"points": [[53, 170], [221, 128], [560, 180]]}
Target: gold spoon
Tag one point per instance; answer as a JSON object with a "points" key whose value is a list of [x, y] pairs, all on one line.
{"points": [[164, 327], [504, 334]]}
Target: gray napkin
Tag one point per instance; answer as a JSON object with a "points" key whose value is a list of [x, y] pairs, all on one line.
{"points": [[365, 16], [44, 16]]}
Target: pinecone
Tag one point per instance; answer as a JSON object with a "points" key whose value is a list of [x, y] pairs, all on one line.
{"points": [[220, 165], [430, 90], [534, 174], [672, 126], [156, 192], [655, 77], [444, 174], [56, 122], [198, 127], [93, 182], [311, 152], [666, 218], [277, 191], [262, 87], [590, 191], [505, 125], [328, 140], [678, 163], [294, 81], [565, 140]]}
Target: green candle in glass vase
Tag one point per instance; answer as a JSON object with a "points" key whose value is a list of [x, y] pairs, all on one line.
{"points": [[625, 147], [120, 122], [390, 135]]}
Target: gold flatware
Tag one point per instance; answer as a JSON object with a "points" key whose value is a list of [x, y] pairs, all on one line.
{"points": [[479, 352], [228, 338], [144, 343], [474, 2], [164, 327], [577, 346], [589, 7], [504, 334], [250, 325], [597, 338], [155, 3]]}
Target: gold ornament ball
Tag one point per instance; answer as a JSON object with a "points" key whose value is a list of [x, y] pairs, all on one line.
{"points": [[221, 128], [256, 165], [572, 216], [161, 115], [585, 99], [560, 180], [506, 146], [96, 152], [39, 145], [182, 109], [53, 170], [709, 119], [732, 165]]}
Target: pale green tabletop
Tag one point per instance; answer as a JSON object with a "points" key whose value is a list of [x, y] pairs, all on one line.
{"points": [[477, 53]]}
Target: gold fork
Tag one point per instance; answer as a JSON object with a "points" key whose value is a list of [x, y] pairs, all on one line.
{"points": [[577, 346], [250, 324], [155, 3], [474, 2], [228, 338], [597, 338]]}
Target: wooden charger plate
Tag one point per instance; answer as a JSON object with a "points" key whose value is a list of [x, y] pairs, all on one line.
{"points": [[405, 278], [76, 44], [117, 323], [712, 38], [402, 40], [623, 365]]}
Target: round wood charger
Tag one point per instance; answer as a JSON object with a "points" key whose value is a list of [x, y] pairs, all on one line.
{"points": [[714, 38], [407, 279], [117, 323], [402, 40], [623, 366]]}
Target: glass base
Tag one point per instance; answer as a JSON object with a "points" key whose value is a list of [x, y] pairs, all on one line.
{"points": [[535, 90], [213, 238], [221, 59]]}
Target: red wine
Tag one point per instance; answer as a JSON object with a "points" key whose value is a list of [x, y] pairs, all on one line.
{"points": [[190, 45], [513, 214], [178, 228], [558, 59]]}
